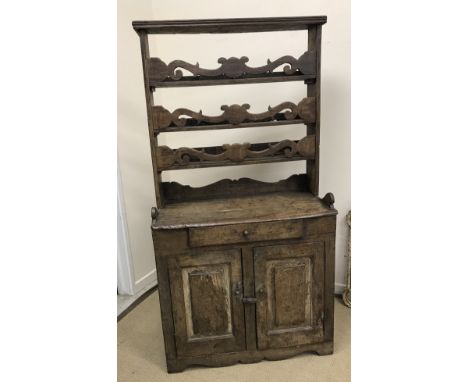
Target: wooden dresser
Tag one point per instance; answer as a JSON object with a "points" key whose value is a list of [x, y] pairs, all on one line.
{"points": [[245, 268]]}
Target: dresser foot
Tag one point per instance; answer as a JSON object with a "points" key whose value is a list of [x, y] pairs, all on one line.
{"points": [[175, 366], [325, 349]]}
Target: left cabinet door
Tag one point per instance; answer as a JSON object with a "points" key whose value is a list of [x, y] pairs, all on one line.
{"points": [[208, 312]]}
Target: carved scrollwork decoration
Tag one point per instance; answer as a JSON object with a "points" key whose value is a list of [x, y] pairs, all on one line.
{"points": [[234, 114], [232, 67], [174, 191], [169, 158]]}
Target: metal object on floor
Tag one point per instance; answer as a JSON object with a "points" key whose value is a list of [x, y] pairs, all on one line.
{"points": [[347, 291]]}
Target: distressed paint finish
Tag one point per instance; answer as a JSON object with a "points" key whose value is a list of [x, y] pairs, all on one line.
{"points": [[289, 278], [207, 283], [289, 283], [176, 192], [281, 206], [243, 233], [207, 316], [245, 268]]}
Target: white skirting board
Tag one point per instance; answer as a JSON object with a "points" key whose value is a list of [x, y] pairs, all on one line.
{"points": [[149, 279], [125, 279], [339, 288], [123, 302]]}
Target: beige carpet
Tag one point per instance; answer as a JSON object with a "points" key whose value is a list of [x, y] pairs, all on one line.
{"points": [[141, 354]]}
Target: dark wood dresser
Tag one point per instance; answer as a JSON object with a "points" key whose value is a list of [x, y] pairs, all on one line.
{"points": [[245, 268]]}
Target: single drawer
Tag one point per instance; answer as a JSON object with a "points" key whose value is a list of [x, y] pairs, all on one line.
{"points": [[245, 233], [319, 226]]}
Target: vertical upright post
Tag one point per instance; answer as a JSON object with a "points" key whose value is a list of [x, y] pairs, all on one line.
{"points": [[145, 55], [314, 36]]}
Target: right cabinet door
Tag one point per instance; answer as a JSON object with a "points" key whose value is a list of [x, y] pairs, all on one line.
{"points": [[289, 286]]}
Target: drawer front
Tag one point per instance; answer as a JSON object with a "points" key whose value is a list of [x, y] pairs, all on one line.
{"points": [[320, 226], [245, 233]]}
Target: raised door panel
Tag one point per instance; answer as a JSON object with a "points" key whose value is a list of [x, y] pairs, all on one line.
{"points": [[289, 281], [208, 315]]}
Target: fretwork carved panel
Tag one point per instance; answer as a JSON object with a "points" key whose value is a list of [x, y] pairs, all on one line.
{"points": [[234, 115], [185, 157], [232, 67]]}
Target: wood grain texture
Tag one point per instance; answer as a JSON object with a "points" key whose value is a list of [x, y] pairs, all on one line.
{"points": [[245, 233], [313, 233], [289, 278], [289, 311], [162, 270], [175, 192], [173, 242], [329, 287], [246, 268], [241, 210], [314, 43], [233, 115], [187, 81], [207, 283], [238, 25], [249, 291], [208, 318], [145, 54], [246, 357], [234, 154]]}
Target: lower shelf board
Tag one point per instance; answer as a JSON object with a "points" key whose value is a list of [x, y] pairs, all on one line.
{"points": [[226, 359]]}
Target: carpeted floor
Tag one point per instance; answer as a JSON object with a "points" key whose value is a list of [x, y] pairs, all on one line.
{"points": [[141, 354]]}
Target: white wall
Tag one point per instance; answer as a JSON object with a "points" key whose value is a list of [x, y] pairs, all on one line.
{"points": [[133, 148], [206, 49]]}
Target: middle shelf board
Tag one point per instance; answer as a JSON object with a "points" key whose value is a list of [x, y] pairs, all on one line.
{"points": [[205, 126], [188, 81], [233, 116]]}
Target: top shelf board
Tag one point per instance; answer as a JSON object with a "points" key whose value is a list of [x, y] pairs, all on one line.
{"points": [[263, 24]]}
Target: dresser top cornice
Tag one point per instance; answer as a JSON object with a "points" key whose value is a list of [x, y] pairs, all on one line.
{"points": [[257, 24]]}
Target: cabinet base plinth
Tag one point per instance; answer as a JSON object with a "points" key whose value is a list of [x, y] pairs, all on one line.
{"points": [[226, 359]]}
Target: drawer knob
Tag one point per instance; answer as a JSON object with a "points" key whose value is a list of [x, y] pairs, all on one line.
{"points": [[246, 233]]}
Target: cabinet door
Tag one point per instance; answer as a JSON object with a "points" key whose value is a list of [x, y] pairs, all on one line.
{"points": [[208, 315], [289, 284]]}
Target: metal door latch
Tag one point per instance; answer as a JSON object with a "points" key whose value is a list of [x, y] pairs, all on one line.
{"points": [[249, 300]]}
